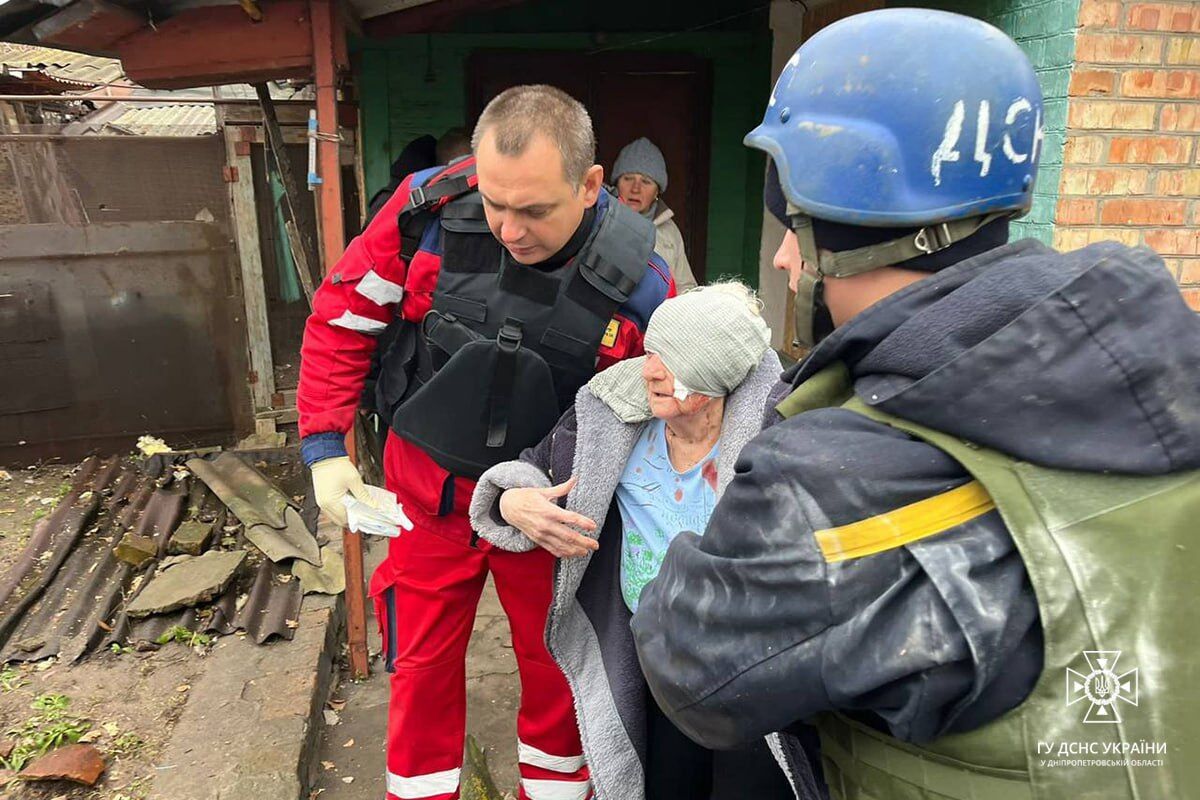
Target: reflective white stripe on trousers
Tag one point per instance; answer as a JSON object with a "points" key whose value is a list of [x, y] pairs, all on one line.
{"points": [[429, 785], [556, 790], [528, 754]]}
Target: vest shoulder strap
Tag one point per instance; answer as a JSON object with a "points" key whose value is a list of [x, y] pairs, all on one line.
{"points": [[426, 200], [614, 258]]}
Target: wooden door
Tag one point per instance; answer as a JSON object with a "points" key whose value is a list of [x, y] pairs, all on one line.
{"points": [[665, 97]]}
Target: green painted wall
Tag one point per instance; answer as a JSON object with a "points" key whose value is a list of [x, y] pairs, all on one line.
{"points": [[1045, 30], [410, 85]]}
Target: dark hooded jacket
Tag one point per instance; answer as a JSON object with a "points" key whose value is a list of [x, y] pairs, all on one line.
{"points": [[1084, 361]]}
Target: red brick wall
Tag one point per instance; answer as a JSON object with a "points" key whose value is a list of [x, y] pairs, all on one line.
{"points": [[1131, 164]]}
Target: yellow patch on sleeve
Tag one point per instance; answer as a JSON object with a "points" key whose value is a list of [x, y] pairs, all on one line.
{"points": [[610, 333], [906, 524]]}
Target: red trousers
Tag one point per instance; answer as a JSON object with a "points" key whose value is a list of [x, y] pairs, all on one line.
{"points": [[426, 593]]}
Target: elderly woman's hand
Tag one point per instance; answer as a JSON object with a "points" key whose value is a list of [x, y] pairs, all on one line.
{"points": [[534, 513]]}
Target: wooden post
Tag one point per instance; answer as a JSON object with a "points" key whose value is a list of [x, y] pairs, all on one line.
{"points": [[240, 177], [328, 56]]}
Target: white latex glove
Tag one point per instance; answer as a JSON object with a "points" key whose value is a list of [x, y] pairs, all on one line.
{"points": [[333, 478]]}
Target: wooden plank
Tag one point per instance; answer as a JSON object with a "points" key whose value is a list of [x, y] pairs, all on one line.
{"points": [[281, 416], [288, 112], [245, 225], [284, 397]]}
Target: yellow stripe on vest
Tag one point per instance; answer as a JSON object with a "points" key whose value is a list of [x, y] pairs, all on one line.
{"points": [[906, 524]]}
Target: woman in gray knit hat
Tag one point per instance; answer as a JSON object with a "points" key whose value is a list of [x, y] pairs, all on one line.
{"points": [[644, 454], [640, 176]]}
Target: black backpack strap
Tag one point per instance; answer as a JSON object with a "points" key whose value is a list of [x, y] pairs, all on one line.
{"points": [[614, 259], [424, 201]]}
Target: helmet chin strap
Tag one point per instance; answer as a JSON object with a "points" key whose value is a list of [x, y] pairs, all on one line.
{"points": [[812, 320], [929, 239]]}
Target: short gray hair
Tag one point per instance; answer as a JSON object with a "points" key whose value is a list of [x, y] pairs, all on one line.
{"points": [[518, 113]]}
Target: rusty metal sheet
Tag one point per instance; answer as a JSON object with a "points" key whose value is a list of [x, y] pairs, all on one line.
{"points": [[149, 315]]}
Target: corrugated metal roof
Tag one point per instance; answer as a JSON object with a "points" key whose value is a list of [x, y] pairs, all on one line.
{"points": [[65, 71], [167, 120], [63, 65]]}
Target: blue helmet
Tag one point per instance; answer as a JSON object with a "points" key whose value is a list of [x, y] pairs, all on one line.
{"points": [[905, 117]]}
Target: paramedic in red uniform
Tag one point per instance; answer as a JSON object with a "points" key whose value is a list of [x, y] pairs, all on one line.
{"points": [[512, 277]]}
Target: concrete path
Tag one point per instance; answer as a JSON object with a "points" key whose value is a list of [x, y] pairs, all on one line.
{"points": [[246, 730], [493, 691]]}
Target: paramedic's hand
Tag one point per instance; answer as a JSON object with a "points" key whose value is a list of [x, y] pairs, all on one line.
{"points": [[333, 478], [534, 513]]}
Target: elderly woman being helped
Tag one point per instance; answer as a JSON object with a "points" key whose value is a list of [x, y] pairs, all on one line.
{"points": [[644, 454]]}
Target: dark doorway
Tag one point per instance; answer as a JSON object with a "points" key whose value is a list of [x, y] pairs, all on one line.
{"points": [[665, 97]]}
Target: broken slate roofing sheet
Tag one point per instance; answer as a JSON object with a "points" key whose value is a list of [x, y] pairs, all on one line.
{"points": [[67, 587], [272, 522], [273, 605], [75, 582], [186, 584]]}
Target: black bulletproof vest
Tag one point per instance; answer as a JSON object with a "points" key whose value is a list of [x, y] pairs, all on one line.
{"points": [[505, 347]]}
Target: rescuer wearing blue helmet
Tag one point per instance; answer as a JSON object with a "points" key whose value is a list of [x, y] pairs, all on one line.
{"points": [[959, 547]]}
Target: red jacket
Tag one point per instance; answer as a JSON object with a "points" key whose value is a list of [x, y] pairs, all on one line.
{"points": [[370, 285]]}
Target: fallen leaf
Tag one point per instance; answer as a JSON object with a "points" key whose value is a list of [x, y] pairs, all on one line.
{"points": [[90, 736], [348, 779], [349, 743], [328, 765], [111, 728]]}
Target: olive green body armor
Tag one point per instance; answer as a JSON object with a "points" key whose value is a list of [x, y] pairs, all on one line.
{"points": [[1115, 563]]}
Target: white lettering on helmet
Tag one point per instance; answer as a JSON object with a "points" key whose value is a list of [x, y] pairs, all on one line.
{"points": [[1038, 134], [945, 151], [1019, 106], [981, 130], [948, 149]]}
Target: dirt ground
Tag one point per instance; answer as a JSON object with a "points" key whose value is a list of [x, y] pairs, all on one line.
{"points": [[129, 701]]}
